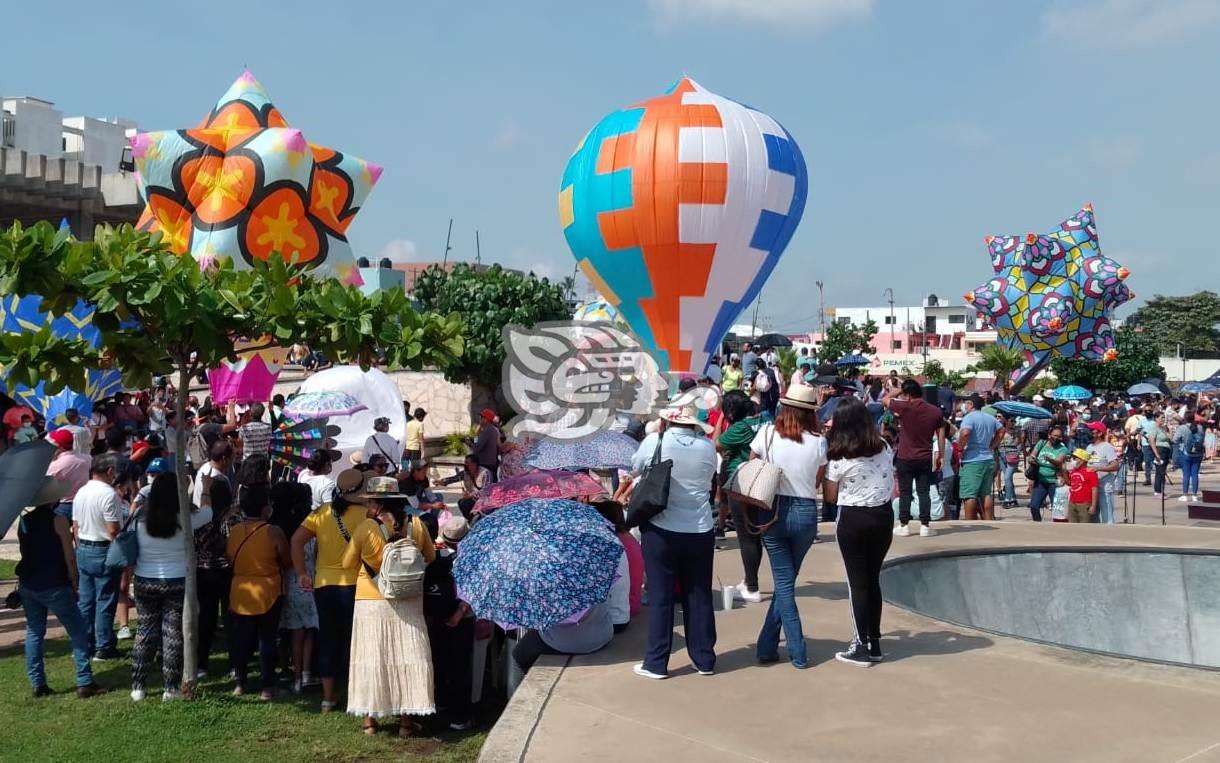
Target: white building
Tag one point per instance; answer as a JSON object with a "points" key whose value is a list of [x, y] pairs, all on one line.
{"points": [[934, 316], [53, 168]]}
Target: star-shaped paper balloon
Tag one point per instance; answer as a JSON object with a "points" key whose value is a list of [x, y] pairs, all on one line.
{"points": [[1053, 294], [245, 185]]}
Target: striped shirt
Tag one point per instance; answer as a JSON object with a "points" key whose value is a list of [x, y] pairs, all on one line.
{"points": [[256, 438]]}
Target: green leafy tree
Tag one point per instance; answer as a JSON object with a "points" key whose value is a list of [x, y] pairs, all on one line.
{"points": [[935, 373], [1188, 322], [160, 314], [787, 363], [488, 300], [844, 339], [999, 361], [1138, 358]]}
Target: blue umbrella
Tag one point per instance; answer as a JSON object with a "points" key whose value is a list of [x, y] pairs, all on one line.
{"points": [[1194, 388], [604, 450], [1018, 408], [852, 360], [537, 563], [1071, 392], [1143, 388]]}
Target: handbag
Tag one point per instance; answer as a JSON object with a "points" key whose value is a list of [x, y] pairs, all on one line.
{"points": [[124, 551], [755, 484], [651, 493], [1031, 469]]}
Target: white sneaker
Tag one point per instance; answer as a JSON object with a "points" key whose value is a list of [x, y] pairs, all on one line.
{"points": [[171, 695], [926, 531], [137, 695], [903, 531], [745, 594], [1181, 499], [639, 671], [124, 633]]}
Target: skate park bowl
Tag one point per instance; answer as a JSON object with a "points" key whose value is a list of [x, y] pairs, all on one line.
{"points": [[1153, 604]]}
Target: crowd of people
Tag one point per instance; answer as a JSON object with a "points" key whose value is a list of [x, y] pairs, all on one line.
{"points": [[288, 566]]}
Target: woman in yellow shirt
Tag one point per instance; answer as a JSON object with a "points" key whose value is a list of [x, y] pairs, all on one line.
{"points": [[258, 551], [391, 663]]}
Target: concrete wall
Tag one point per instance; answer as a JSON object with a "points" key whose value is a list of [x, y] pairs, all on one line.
{"points": [[1145, 604], [39, 126], [100, 142]]}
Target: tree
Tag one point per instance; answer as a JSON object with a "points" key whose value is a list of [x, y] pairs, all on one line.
{"points": [[1189, 322], [1138, 358], [1000, 361], [844, 339], [158, 313], [786, 363], [488, 300], [936, 374]]}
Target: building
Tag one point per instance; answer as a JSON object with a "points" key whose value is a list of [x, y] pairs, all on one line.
{"points": [[906, 328], [55, 168], [380, 277]]}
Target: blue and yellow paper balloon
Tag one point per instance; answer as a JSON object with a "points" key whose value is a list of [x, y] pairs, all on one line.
{"points": [[677, 209]]}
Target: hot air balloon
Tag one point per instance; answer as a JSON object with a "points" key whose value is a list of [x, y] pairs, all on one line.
{"points": [[245, 185], [677, 209], [1053, 294]]}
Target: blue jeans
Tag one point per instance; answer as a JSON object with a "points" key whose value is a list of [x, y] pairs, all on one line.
{"points": [[99, 596], [1105, 507], [787, 541], [1010, 489], [1042, 495], [1190, 474], [1149, 463], [61, 603]]}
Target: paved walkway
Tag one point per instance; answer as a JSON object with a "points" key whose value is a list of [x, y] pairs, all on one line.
{"points": [[944, 693]]}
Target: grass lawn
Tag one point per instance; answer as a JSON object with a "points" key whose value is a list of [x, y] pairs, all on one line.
{"points": [[213, 727], [8, 569]]}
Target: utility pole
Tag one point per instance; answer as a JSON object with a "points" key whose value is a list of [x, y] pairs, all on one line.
{"points": [[821, 310], [448, 237], [1182, 355], [754, 322], [478, 253], [890, 292]]}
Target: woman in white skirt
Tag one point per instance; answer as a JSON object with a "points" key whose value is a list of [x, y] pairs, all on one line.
{"points": [[391, 664]]}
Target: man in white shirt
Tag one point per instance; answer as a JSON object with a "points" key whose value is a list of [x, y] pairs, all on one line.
{"points": [[381, 442], [221, 460], [95, 522], [81, 436]]}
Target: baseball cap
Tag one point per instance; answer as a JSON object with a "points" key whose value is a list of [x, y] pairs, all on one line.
{"points": [[158, 466], [487, 414], [61, 437], [1097, 426]]}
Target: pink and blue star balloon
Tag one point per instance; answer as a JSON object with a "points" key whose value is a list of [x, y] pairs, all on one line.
{"points": [[1053, 294], [677, 209]]}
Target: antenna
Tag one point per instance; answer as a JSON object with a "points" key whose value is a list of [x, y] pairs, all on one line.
{"points": [[448, 236]]}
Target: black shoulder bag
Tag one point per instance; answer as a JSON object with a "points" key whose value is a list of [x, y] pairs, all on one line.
{"points": [[651, 493]]}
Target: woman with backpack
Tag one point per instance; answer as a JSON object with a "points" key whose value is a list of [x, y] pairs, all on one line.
{"points": [[794, 444], [259, 554], [1193, 449], [391, 661]]}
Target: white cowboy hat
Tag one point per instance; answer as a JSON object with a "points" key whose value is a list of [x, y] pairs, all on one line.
{"points": [[686, 416], [799, 396]]}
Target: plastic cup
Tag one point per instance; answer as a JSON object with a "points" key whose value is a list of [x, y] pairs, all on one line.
{"points": [[726, 596]]}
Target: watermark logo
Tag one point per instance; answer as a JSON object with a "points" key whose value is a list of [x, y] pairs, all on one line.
{"points": [[571, 379]]}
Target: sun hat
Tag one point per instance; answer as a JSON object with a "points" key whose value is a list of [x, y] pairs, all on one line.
{"points": [[686, 415], [62, 437], [455, 529], [1038, 398], [799, 396], [1081, 454], [381, 487], [349, 484], [357, 457]]}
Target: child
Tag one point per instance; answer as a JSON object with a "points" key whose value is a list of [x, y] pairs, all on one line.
{"points": [[1209, 443], [290, 504], [1084, 490], [450, 626]]}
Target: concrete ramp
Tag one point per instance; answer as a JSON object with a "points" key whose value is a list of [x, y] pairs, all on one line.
{"points": [[1150, 604]]}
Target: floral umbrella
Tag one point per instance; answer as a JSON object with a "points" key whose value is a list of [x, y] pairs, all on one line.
{"points": [[317, 405], [537, 563], [537, 484], [604, 450]]}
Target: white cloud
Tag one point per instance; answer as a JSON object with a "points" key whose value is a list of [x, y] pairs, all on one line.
{"points": [[509, 134], [786, 13], [1117, 154], [399, 251], [1128, 23], [966, 135]]}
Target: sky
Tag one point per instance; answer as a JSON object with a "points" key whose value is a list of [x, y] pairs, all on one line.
{"points": [[925, 125]]}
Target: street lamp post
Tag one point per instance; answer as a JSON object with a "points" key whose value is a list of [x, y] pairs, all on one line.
{"points": [[821, 310], [890, 292]]}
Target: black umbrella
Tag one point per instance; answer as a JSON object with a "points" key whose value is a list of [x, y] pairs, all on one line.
{"points": [[23, 469], [773, 340]]}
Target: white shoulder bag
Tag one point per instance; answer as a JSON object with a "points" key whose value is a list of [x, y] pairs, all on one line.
{"points": [[754, 484]]}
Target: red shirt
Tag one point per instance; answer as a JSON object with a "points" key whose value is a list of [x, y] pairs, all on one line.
{"points": [[1084, 482], [920, 420]]}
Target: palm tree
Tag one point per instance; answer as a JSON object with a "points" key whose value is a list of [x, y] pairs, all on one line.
{"points": [[1000, 361]]}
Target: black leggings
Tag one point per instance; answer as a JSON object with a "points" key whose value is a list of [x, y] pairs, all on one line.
{"points": [[864, 535], [212, 591], [249, 630], [749, 543]]}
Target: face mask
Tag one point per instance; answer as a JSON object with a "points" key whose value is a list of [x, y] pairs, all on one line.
{"points": [[1073, 464]]}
